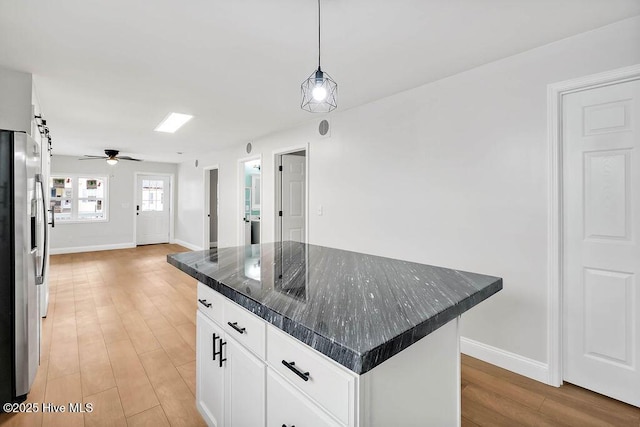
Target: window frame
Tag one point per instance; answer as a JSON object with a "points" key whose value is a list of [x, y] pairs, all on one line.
{"points": [[75, 198]]}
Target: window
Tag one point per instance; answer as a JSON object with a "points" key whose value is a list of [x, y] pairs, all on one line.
{"points": [[79, 198], [152, 195]]}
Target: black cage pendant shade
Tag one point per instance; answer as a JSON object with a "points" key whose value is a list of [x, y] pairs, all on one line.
{"points": [[319, 91]]}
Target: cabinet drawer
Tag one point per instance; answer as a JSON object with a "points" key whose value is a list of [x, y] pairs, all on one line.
{"points": [[245, 327], [326, 382], [210, 303], [286, 406]]}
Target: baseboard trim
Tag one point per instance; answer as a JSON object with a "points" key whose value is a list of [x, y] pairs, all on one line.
{"points": [[510, 361], [187, 245], [93, 248]]}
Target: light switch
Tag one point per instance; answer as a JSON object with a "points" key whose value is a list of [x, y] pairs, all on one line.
{"points": [[319, 210]]}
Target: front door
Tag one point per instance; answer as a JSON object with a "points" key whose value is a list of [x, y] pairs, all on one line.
{"points": [[601, 235], [152, 209]]}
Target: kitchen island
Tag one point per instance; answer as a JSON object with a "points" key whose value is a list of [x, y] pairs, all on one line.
{"points": [[347, 338]]}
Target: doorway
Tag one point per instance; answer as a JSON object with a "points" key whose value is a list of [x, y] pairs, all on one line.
{"points": [[600, 237], [211, 207], [291, 196], [153, 209], [250, 179]]}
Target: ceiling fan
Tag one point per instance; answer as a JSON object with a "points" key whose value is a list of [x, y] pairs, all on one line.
{"points": [[111, 157]]}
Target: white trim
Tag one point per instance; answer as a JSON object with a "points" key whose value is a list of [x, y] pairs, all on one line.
{"points": [[186, 245], [513, 362], [93, 248], [555, 92], [280, 152], [172, 207]]}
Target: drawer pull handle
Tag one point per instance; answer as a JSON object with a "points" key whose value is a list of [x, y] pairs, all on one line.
{"points": [[204, 302], [292, 366], [234, 325]]}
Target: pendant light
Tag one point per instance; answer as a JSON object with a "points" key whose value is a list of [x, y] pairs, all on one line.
{"points": [[319, 91]]}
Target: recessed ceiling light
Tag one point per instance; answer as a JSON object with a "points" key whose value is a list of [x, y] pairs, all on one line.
{"points": [[173, 122]]}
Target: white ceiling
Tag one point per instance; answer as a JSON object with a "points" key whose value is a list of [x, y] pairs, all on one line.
{"points": [[107, 72]]}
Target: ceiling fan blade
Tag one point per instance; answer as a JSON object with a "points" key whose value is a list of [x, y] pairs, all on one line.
{"points": [[94, 157], [129, 158]]}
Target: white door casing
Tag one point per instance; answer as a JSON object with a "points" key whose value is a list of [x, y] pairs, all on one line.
{"points": [[153, 209], [293, 197], [601, 253]]}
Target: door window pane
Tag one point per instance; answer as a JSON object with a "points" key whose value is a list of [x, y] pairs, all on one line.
{"points": [[152, 195]]}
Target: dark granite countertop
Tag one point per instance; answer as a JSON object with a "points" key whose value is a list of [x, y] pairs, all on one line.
{"points": [[357, 309]]}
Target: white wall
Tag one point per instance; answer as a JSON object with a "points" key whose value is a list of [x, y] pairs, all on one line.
{"points": [[15, 100], [118, 231], [453, 173]]}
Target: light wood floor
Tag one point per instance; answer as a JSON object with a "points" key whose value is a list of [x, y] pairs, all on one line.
{"points": [[120, 334]]}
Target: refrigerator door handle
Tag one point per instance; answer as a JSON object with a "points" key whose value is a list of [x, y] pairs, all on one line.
{"points": [[45, 222]]}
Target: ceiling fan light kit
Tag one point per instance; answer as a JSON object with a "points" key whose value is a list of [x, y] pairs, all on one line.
{"points": [[319, 91], [111, 156]]}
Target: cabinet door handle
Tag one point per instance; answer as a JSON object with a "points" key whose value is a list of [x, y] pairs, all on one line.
{"points": [[222, 343], [215, 338], [235, 326], [292, 367], [204, 302]]}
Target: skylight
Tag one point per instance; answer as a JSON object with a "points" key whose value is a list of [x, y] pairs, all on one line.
{"points": [[173, 122]]}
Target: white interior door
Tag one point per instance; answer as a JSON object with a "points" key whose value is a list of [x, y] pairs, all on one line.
{"points": [[293, 197], [152, 209], [601, 240]]}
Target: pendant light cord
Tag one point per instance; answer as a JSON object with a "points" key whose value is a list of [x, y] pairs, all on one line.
{"points": [[318, 34]]}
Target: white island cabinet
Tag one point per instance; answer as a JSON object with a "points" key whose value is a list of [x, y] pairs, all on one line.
{"points": [[252, 374]]}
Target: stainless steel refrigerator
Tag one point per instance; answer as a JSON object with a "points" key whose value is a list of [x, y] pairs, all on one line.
{"points": [[23, 260]]}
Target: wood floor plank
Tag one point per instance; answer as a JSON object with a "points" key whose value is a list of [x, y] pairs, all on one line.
{"points": [[106, 410], [61, 392], [153, 417], [134, 387], [111, 324], [63, 353], [95, 368], [177, 349], [502, 387], [188, 373], [188, 333], [141, 336], [519, 414], [177, 400], [173, 314], [571, 416], [566, 393]]}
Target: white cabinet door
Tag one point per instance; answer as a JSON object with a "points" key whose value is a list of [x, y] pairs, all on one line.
{"points": [[286, 406], [209, 374], [245, 387]]}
